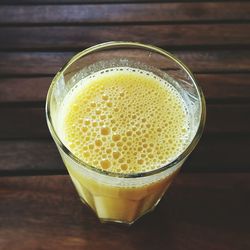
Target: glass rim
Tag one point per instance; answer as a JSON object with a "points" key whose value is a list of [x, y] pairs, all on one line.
{"points": [[122, 44]]}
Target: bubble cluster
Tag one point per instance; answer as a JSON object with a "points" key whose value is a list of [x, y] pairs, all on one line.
{"points": [[125, 120]]}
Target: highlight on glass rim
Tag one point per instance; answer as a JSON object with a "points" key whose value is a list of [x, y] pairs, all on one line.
{"points": [[124, 117]]}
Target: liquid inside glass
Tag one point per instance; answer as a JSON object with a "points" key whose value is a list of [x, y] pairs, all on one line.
{"points": [[124, 120]]}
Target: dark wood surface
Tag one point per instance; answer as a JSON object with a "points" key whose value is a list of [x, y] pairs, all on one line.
{"points": [[30, 122], [214, 154], [208, 60], [207, 207], [216, 86], [126, 13], [200, 211], [163, 35]]}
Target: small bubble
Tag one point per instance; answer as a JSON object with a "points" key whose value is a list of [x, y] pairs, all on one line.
{"points": [[124, 166], [140, 161], [84, 129], [149, 150], [121, 160], [109, 104], [105, 130], [87, 121], [114, 128], [105, 164], [98, 143], [116, 137], [105, 97], [129, 133], [184, 130], [94, 123], [103, 117], [72, 145], [86, 154], [116, 154], [93, 104], [98, 111]]}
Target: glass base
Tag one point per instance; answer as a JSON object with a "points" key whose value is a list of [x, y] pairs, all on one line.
{"points": [[118, 204], [126, 223]]}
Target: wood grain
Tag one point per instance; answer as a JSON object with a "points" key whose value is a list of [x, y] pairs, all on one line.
{"points": [[44, 212], [228, 87], [24, 89], [221, 87], [26, 122], [75, 37], [23, 123], [125, 13], [199, 61], [220, 153], [39, 207], [33, 63], [27, 2], [29, 156], [213, 154]]}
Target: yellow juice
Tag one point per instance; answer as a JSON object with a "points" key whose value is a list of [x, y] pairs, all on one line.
{"points": [[123, 121]]}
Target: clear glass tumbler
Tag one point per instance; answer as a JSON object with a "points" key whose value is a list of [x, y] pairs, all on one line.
{"points": [[112, 196]]}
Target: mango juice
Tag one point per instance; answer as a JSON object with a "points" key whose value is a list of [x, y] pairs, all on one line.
{"points": [[122, 122]]}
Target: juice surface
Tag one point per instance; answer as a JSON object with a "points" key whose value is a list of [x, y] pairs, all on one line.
{"points": [[124, 120]]}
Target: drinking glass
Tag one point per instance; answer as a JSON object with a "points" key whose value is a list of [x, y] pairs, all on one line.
{"points": [[122, 197]]}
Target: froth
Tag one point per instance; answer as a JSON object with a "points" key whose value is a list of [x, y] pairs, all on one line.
{"points": [[124, 120]]}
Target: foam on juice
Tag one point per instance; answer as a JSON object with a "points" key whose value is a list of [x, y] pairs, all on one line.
{"points": [[124, 120]]}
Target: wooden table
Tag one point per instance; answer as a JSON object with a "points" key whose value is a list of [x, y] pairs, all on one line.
{"points": [[208, 205]]}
